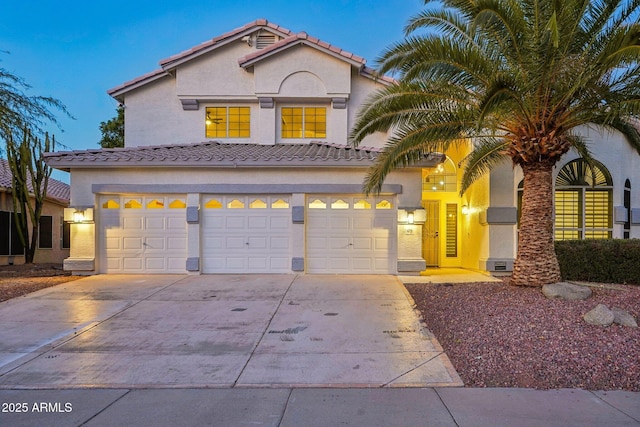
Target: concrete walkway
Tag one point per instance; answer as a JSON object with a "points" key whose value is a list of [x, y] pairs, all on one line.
{"points": [[277, 350]]}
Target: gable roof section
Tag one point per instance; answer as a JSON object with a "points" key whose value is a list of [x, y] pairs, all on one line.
{"points": [[217, 154], [297, 39], [57, 191], [223, 39], [289, 39]]}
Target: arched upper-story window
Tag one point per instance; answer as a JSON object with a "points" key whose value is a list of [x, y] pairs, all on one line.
{"points": [[583, 201], [441, 178]]}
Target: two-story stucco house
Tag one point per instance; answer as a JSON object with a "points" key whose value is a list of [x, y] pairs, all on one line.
{"points": [[236, 161]]}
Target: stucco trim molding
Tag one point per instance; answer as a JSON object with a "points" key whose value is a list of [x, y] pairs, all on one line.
{"points": [[238, 188], [499, 215]]}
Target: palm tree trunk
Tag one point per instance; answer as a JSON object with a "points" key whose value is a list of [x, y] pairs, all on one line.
{"points": [[536, 262]]}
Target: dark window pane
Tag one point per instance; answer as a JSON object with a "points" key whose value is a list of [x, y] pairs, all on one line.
{"points": [[5, 235], [45, 238], [66, 235]]}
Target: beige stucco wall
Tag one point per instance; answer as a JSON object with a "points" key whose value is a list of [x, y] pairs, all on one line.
{"points": [[54, 255]]}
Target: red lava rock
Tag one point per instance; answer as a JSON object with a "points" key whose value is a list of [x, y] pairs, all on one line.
{"points": [[497, 335]]}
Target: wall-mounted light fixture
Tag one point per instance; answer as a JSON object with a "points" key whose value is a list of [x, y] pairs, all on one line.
{"points": [[78, 215], [465, 210], [412, 216]]}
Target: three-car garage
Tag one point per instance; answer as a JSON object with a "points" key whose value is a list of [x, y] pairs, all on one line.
{"points": [[240, 233]]}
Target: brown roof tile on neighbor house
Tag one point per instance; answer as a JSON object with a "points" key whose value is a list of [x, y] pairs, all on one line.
{"points": [[57, 190], [217, 154]]}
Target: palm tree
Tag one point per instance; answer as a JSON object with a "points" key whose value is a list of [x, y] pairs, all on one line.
{"points": [[516, 77]]}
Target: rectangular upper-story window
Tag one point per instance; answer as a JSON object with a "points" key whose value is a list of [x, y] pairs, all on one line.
{"points": [[304, 122], [228, 122]]}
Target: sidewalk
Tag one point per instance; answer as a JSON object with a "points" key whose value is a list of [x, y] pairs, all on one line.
{"points": [[310, 407]]}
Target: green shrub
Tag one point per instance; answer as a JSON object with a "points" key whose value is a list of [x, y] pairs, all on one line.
{"points": [[607, 261]]}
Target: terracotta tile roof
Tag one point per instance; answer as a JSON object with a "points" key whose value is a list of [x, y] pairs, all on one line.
{"points": [[250, 27], [217, 154], [295, 39], [57, 190], [289, 39]]}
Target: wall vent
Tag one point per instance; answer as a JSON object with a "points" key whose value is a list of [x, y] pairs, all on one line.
{"points": [[265, 40]]}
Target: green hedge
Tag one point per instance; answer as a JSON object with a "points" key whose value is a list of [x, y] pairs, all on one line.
{"points": [[606, 261]]}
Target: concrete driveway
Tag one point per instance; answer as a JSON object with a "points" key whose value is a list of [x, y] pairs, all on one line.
{"points": [[130, 331]]}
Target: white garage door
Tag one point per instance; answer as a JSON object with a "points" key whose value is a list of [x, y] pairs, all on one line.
{"points": [[246, 234], [143, 234], [351, 235]]}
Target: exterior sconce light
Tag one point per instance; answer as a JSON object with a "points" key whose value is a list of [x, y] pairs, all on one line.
{"points": [[78, 215], [412, 216], [465, 210]]}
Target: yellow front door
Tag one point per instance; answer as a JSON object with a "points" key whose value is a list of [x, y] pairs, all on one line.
{"points": [[431, 232]]}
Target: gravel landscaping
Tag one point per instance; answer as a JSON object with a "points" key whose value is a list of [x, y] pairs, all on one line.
{"points": [[19, 280], [497, 335]]}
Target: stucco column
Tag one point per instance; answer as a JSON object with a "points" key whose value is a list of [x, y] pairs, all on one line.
{"points": [[193, 219]]}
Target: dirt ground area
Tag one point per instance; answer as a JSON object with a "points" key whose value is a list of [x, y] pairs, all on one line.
{"points": [[19, 280]]}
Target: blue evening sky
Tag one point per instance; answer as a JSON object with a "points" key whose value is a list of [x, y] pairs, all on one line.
{"points": [[75, 50]]}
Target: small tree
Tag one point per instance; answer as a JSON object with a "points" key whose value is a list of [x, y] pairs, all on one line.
{"points": [[113, 131], [30, 178]]}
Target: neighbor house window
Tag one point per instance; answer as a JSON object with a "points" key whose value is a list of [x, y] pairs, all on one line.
{"points": [[228, 122], [304, 122], [9, 239], [45, 232], [627, 205]]}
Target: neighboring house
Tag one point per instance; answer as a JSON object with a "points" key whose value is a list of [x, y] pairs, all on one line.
{"points": [[236, 161], [54, 235]]}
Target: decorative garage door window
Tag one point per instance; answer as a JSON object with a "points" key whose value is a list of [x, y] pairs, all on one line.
{"points": [[153, 202], [250, 202], [349, 203]]}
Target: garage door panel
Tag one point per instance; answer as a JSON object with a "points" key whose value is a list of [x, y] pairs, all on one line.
{"points": [[356, 235], [257, 222], [381, 243], [132, 264], [113, 243], [157, 243], [143, 237], [154, 264], [132, 223], [176, 243], [131, 243], [212, 223], [234, 242], [257, 263], [156, 223], [339, 242], [176, 224], [235, 222], [362, 243], [276, 243], [210, 244], [362, 264], [340, 223], [254, 236], [235, 263], [280, 223]]}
